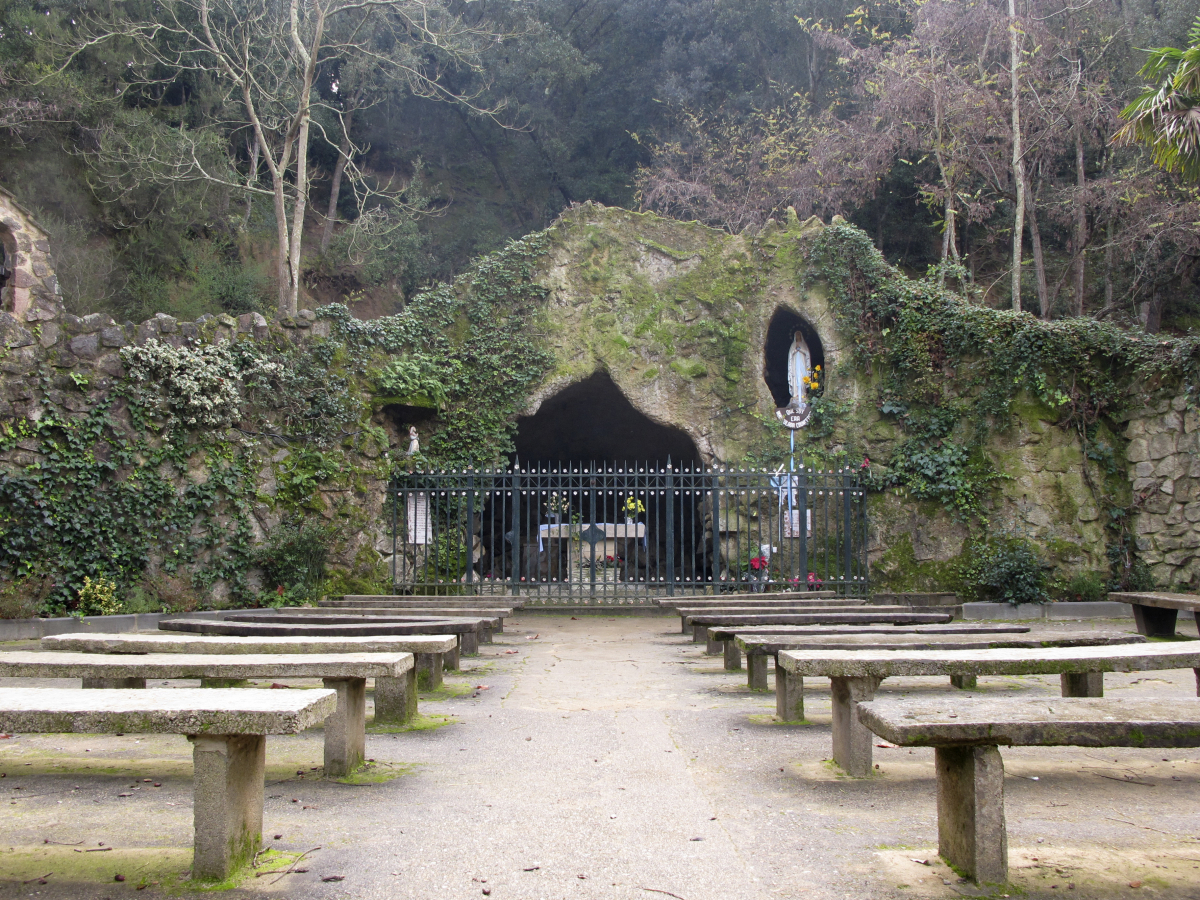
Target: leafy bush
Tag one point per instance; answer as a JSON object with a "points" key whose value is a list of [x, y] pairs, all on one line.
{"points": [[1007, 570], [293, 560], [417, 378], [1083, 586], [98, 598]]}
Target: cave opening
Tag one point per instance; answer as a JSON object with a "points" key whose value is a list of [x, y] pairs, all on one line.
{"points": [[592, 421], [781, 333]]}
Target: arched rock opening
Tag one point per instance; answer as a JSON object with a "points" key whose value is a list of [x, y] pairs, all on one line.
{"points": [[592, 420], [780, 333]]}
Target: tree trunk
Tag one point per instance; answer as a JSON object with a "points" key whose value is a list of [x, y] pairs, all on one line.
{"points": [[335, 186], [1018, 161], [251, 177], [1150, 312], [1081, 236], [1039, 262]]}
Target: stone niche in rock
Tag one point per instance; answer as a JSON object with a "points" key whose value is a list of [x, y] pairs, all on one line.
{"points": [[591, 420], [778, 355]]}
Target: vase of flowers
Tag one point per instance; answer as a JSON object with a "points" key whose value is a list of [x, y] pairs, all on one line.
{"points": [[632, 508], [557, 506], [758, 573]]}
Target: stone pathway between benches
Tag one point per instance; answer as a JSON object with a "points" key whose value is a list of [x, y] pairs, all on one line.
{"points": [[605, 749]]}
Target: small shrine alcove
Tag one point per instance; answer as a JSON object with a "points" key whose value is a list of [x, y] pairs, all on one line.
{"points": [[779, 354]]}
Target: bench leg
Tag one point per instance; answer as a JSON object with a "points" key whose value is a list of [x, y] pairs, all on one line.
{"points": [[487, 635], [451, 660], [114, 683], [1197, 673], [396, 699], [228, 802], [1082, 684], [346, 729], [1153, 621], [964, 682], [470, 643], [684, 627], [789, 695], [714, 648], [429, 671], [756, 671], [499, 626], [851, 740], [970, 805], [699, 634], [733, 657]]}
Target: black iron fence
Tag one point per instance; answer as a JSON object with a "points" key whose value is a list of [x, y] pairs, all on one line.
{"points": [[621, 534]]}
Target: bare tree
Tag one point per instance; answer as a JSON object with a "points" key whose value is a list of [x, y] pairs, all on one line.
{"points": [[266, 58]]}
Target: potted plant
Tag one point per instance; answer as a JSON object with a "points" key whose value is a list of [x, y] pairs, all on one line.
{"points": [[632, 507]]}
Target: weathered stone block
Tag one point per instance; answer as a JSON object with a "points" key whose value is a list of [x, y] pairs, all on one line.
{"points": [[110, 364], [1138, 450], [1161, 445], [166, 324], [1144, 469], [95, 322], [1135, 429], [49, 335], [86, 346], [113, 336], [20, 361], [13, 333]]}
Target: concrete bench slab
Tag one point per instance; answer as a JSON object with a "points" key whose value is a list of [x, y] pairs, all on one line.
{"points": [[486, 621], [466, 631], [346, 673], [721, 637], [395, 703], [1155, 613], [863, 616], [506, 600], [227, 729], [688, 613], [498, 613], [723, 598], [972, 832], [854, 676], [789, 692]]}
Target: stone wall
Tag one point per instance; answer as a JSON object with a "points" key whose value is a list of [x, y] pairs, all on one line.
{"points": [[30, 290], [1164, 472]]}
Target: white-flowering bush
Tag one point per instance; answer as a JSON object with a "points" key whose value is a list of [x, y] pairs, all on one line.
{"points": [[199, 388]]}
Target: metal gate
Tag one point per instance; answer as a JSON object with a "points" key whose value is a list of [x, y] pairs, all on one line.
{"points": [[611, 533]]}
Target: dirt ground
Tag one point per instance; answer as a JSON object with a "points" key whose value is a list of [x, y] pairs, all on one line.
{"points": [[604, 757]]}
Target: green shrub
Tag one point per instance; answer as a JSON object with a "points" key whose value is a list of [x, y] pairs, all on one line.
{"points": [[293, 562], [1083, 586], [1006, 570], [98, 598]]}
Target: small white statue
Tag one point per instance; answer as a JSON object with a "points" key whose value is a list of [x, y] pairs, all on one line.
{"points": [[414, 441]]}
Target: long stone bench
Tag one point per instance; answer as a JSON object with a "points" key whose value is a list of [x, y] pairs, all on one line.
{"points": [[686, 613], [479, 628], [864, 616], [506, 600], [719, 599], [854, 676], [722, 638], [1155, 613], [966, 734], [497, 614], [466, 633], [393, 698], [227, 729], [760, 650], [344, 673]]}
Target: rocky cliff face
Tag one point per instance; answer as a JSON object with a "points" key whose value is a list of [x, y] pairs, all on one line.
{"points": [[106, 421]]}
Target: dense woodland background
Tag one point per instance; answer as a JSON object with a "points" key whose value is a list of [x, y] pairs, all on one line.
{"points": [[441, 129]]}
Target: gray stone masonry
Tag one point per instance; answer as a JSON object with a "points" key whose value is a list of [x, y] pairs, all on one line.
{"points": [[1156, 613], [394, 702], [227, 728], [346, 674], [862, 670], [972, 834]]}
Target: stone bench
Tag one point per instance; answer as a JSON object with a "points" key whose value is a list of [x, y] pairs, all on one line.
{"points": [[966, 734], [686, 613], [720, 599], [722, 638], [497, 614], [474, 630], [345, 673], [394, 703], [862, 616], [1155, 613], [854, 676], [759, 650], [227, 729], [506, 600], [465, 631]]}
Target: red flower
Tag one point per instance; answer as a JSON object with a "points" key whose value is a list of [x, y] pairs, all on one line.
{"points": [[758, 562]]}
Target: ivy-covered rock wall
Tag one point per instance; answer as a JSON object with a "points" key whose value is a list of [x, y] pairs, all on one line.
{"points": [[244, 462]]}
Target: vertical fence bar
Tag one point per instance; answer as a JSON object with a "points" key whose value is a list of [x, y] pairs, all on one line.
{"points": [[515, 542], [670, 514]]}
